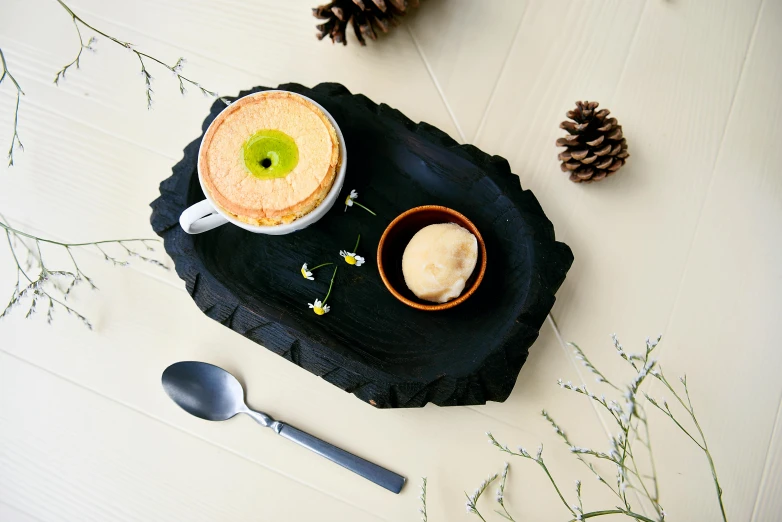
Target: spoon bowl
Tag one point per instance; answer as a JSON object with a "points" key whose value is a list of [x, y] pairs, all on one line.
{"points": [[204, 390]]}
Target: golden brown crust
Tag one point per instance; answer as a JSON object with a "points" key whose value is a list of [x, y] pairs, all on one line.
{"points": [[270, 201]]}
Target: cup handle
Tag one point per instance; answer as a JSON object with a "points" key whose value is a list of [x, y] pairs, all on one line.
{"points": [[200, 217]]}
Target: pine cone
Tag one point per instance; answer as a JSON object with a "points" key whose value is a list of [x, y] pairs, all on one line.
{"points": [[595, 146], [366, 16]]}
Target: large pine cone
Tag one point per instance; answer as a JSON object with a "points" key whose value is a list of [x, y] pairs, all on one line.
{"points": [[595, 145], [366, 16]]}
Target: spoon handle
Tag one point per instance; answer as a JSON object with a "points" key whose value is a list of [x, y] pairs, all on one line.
{"points": [[380, 476]]}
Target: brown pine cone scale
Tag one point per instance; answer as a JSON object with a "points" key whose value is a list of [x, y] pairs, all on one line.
{"points": [[595, 147], [366, 17]]}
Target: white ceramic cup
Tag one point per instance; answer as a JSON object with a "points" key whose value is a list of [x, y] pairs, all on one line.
{"points": [[206, 215]]}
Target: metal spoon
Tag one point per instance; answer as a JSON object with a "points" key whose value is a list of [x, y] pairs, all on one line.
{"points": [[211, 393]]}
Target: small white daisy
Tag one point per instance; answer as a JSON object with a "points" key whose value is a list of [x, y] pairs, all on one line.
{"points": [[306, 272], [319, 308], [351, 258], [351, 200]]}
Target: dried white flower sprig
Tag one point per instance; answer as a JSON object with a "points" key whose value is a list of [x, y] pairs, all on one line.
{"points": [[351, 200], [422, 498], [16, 142], [352, 258], [472, 500], [632, 421], [51, 288], [320, 307], [501, 494], [176, 69], [307, 272]]}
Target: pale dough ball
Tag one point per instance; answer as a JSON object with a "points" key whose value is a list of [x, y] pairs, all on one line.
{"points": [[438, 261]]}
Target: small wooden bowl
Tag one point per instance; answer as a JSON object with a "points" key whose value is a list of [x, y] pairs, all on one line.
{"points": [[395, 239]]}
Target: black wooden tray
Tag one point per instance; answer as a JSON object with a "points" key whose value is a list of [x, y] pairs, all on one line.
{"points": [[371, 345]]}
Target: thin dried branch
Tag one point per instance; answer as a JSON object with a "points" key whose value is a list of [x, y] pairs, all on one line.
{"points": [[16, 142], [632, 421], [702, 444], [176, 69], [37, 284]]}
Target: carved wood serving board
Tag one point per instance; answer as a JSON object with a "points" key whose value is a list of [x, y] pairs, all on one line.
{"points": [[370, 344]]}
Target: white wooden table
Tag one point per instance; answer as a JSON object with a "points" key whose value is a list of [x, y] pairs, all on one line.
{"points": [[684, 241]]}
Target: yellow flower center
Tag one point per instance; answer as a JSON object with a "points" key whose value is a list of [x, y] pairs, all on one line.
{"points": [[304, 273], [348, 200], [350, 260], [318, 310]]}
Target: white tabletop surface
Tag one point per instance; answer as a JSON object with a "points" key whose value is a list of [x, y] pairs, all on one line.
{"points": [[685, 240]]}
